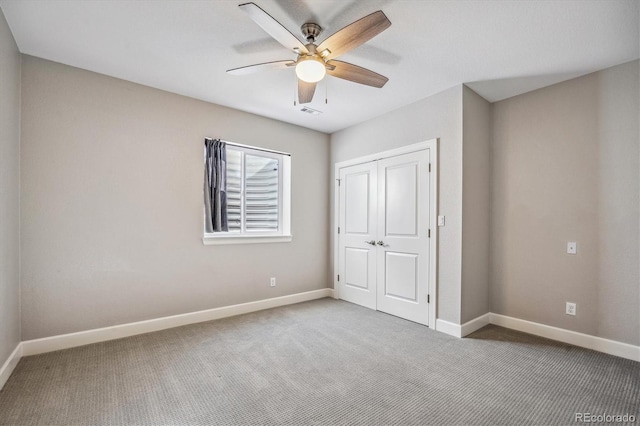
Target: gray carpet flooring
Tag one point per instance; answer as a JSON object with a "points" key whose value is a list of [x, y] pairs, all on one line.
{"points": [[324, 362]]}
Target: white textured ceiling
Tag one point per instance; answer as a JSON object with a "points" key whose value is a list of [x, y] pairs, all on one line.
{"points": [[499, 48]]}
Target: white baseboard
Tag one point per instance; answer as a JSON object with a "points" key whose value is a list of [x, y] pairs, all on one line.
{"points": [[465, 329], [10, 364], [54, 343], [599, 344], [475, 324], [65, 341], [449, 328]]}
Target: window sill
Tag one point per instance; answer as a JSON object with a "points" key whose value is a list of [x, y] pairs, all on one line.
{"points": [[210, 240]]}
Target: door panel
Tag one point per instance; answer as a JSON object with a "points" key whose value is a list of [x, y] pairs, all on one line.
{"points": [[400, 193], [401, 271], [356, 187], [403, 258], [358, 224], [356, 267]]}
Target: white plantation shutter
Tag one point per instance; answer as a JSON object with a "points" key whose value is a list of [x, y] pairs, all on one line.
{"points": [[254, 194], [234, 190], [261, 193]]}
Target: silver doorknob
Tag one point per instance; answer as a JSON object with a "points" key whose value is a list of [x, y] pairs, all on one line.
{"points": [[380, 243], [372, 242]]}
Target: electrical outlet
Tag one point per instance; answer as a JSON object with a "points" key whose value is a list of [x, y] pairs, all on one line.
{"points": [[572, 247], [571, 308], [273, 282]]}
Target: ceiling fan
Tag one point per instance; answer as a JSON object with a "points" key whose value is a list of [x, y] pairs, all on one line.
{"points": [[316, 60]]}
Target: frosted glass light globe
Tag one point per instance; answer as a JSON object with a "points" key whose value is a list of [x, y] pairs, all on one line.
{"points": [[310, 70]]}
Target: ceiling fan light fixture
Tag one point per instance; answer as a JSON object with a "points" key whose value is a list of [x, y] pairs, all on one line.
{"points": [[310, 69], [313, 60]]}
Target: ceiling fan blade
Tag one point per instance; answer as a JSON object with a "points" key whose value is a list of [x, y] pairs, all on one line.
{"points": [[305, 91], [356, 74], [273, 27], [250, 69], [355, 34]]}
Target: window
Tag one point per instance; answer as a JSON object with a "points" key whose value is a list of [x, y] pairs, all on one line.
{"points": [[257, 196]]}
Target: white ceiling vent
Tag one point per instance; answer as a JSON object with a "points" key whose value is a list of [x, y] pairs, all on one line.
{"points": [[310, 111]]}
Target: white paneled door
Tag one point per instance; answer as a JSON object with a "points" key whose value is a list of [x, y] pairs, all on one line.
{"points": [[357, 232], [384, 235]]}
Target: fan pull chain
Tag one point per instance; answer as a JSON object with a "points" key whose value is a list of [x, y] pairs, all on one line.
{"points": [[295, 89], [326, 91]]}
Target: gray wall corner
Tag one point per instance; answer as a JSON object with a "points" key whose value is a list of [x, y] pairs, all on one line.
{"points": [[10, 69], [476, 204]]}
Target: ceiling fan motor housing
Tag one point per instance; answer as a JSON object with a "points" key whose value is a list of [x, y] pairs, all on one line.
{"points": [[311, 31]]}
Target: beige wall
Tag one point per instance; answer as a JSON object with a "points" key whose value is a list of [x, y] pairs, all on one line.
{"points": [[565, 168], [476, 172], [112, 204], [9, 192], [439, 116], [618, 189]]}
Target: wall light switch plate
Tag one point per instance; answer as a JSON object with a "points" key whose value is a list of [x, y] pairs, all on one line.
{"points": [[440, 220], [572, 247]]}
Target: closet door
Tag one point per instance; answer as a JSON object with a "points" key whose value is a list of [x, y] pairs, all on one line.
{"points": [[402, 236], [358, 225], [383, 257]]}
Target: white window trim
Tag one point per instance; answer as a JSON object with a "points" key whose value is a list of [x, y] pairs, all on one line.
{"points": [[211, 240], [283, 235]]}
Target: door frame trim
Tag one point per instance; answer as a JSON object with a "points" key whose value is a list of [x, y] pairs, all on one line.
{"points": [[432, 146]]}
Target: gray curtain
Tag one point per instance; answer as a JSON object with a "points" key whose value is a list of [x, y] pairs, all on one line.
{"points": [[215, 186]]}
